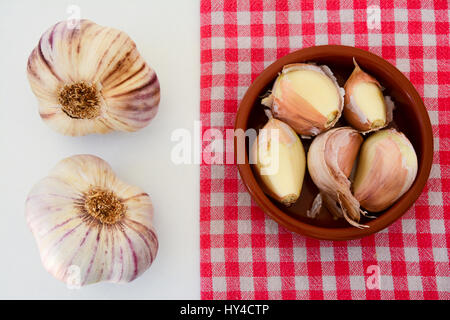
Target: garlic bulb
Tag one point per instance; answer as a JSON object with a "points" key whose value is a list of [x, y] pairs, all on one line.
{"points": [[91, 79], [307, 97], [279, 161], [330, 161], [365, 107], [82, 216], [386, 169]]}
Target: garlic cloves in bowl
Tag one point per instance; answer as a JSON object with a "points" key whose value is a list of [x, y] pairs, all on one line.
{"points": [[278, 158], [366, 109], [330, 161], [82, 216], [307, 97], [91, 79], [386, 169]]}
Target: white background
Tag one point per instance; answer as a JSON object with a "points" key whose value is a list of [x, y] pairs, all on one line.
{"points": [[167, 35]]}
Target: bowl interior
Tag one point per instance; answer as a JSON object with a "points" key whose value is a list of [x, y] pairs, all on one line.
{"points": [[410, 117]]}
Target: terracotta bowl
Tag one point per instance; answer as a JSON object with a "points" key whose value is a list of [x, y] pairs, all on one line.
{"points": [[410, 117]]}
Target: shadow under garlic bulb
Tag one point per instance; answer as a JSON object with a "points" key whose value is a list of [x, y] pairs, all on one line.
{"points": [[83, 216], [92, 79]]}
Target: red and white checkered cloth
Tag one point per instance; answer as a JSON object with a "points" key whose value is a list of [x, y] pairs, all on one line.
{"points": [[246, 255]]}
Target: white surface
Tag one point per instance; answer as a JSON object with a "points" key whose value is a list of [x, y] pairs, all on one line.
{"points": [[167, 35]]}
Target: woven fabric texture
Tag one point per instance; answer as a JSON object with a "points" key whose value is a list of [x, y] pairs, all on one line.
{"points": [[246, 255]]}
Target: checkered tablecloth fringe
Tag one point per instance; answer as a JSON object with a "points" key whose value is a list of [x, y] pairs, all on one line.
{"points": [[246, 255]]}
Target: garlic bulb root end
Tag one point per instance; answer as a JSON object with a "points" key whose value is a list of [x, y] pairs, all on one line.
{"points": [[80, 100]]}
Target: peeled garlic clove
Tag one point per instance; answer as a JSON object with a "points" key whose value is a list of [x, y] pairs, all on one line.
{"points": [[386, 169], [330, 160], [278, 158], [307, 97], [92, 79], [84, 218], [365, 106]]}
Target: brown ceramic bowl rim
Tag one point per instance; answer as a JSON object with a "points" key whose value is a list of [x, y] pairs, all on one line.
{"points": [[395, 211]]}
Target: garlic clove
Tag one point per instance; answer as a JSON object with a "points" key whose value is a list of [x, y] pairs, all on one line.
{"points": [[92, 80], [307, 97], [386, 169], [330, 159], [278, 158], [365, 107], [344, 147], [83, 216]]}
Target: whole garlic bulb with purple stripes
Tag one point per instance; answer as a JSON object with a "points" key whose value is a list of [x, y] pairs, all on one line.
{"points": [[89, 225], [91, 79]]}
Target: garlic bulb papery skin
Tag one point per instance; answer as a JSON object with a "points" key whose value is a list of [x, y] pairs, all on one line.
{"points": [[330, 161], [307, 97], [279, 160], [323, 199], [92, 79], [366, 109], [82, 216], [387, 168]]}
